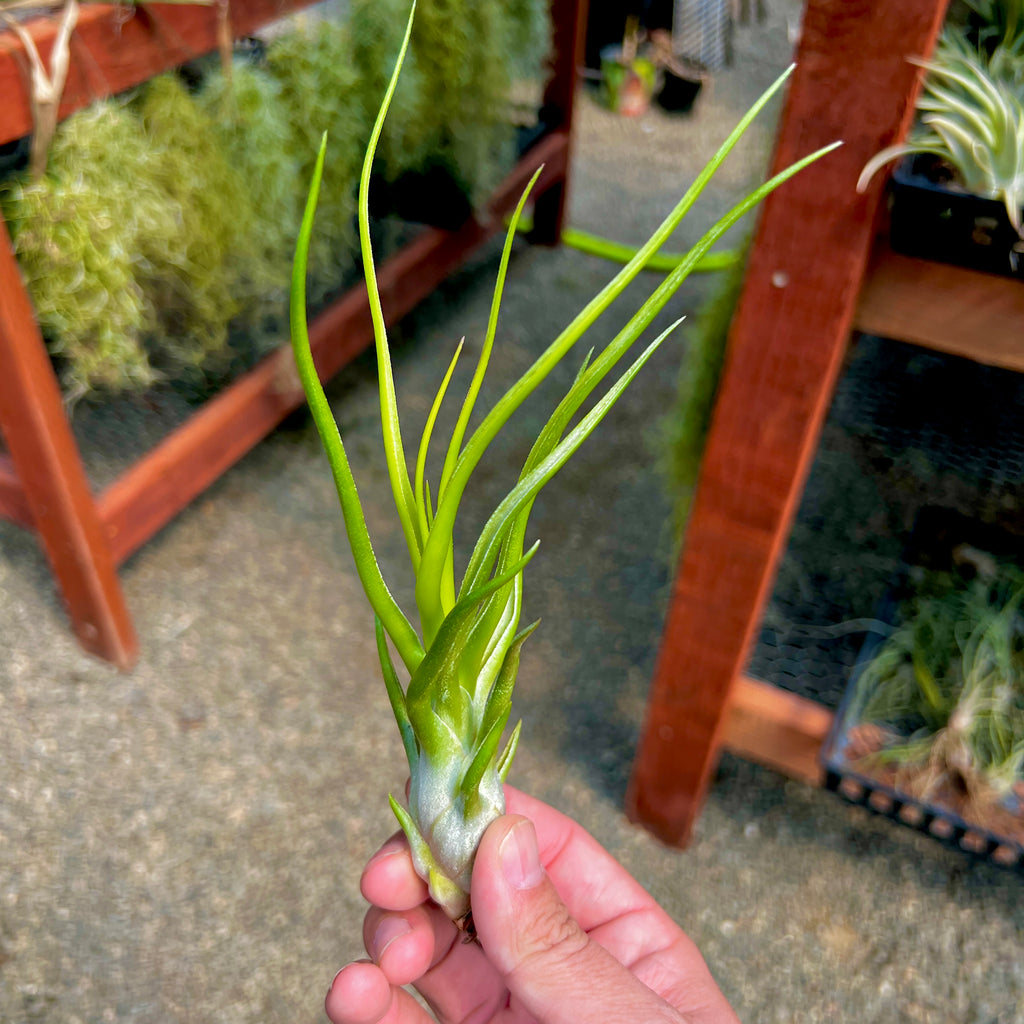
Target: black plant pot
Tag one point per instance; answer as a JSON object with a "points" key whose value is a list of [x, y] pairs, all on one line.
{"points": [[935, 220]]}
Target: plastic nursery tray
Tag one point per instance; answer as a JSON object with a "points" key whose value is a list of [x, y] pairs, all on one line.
{"points": [[936, 221], [858, 784]]}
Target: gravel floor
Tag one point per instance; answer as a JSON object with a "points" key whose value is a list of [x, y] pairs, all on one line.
{"points": [[182, 844]]}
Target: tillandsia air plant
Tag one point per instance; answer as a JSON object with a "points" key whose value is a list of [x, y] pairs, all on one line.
{"points": [[462, 665], [998, 24], [972, 119], [947, 689]]}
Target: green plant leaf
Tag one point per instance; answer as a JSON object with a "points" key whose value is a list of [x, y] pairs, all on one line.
{"points": [[394, 452], [384, 605]]}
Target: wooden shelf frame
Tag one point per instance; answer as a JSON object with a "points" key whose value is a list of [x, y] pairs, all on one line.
{"points": [[43, 485], [950, 309], [808, 261]]}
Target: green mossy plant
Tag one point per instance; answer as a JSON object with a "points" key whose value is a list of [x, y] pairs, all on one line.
{"points": [[529, 36], [463, 98], [314, 67], [451, 109], [84, 234], [686, 428], [253, 126], [196, 285], [375, 28]]}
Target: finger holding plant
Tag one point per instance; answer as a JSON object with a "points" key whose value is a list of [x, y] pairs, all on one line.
{"points": [[462, 664]]}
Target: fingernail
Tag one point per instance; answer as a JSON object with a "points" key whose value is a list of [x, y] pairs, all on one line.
{"points": [[330, 988], [390, 849], [389, 929], [520, 859]]}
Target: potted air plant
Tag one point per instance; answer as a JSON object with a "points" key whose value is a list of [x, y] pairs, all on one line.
{"points": [[461, 664], [628, 76], [995, 24], [936, 714], [959, 192]]}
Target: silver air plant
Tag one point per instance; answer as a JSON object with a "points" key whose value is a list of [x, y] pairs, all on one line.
{"points": [[461, 668], [971, 116]]}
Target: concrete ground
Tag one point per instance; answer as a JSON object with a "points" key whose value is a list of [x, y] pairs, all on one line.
{"points": [[182, 844]]}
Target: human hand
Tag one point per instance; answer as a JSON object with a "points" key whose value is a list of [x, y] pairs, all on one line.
{"points": [[566, 936]]}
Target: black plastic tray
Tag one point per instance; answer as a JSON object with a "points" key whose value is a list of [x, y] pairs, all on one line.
{"points": [[933, 221]]}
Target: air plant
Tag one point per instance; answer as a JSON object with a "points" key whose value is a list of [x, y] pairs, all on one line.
{"points": [[999, 23], [972, 120], [948, 688], [462, 665]]}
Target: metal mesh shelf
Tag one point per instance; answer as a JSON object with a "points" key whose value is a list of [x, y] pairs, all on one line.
{"points": [[907, 428]]}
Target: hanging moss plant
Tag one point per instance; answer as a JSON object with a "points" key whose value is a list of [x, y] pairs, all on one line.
{"points": [[195, 286], [162, 220], [78, 234], [375, 30], [529, 36], [465, 81], [253, 127], [452, 112], [313, 66]]}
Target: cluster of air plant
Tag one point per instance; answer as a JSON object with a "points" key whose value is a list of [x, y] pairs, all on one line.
{"points": [[997, 24], [462, 665], [948, 688], [971, 117]]}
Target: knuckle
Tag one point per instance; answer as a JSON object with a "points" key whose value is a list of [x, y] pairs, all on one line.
{"points": [[555, 936]]}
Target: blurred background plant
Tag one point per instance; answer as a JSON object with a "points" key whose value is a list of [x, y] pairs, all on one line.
{"points": [[971, 108], [156, 245], [314, 67], [947, 691]]}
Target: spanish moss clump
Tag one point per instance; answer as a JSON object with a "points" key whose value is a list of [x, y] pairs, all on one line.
{"points": [[195, 285], [463, 102], [79, 234], [376, 27], [529, 36], [253, 126], [452, 111], [320, 90]]}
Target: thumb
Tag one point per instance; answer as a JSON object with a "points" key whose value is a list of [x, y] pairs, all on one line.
{"points": [[549, 964]]}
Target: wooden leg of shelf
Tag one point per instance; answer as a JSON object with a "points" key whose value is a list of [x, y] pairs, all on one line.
{"points": [[52, 478], [13, 505], [785, 348], [777, 729], [569, 18]]}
